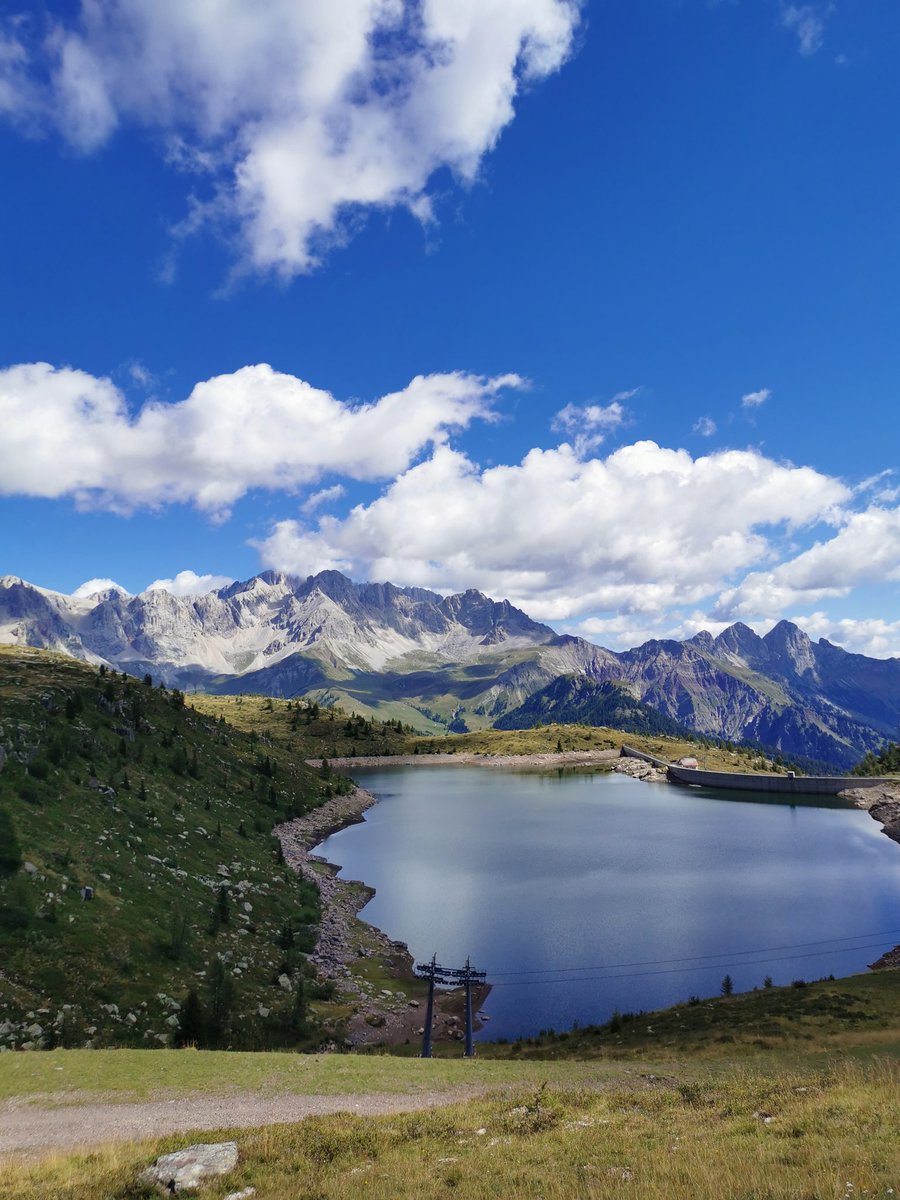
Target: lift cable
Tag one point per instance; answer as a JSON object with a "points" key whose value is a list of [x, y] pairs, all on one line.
{"points": [[660, 962], [680, 970]]}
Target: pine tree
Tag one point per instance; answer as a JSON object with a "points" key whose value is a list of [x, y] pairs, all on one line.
{"points": [[191, 1022], [727, 986], [10, 850], [220, 1008]]}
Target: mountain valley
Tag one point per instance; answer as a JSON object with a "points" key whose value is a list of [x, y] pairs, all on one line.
{"points": [[466, 662]]}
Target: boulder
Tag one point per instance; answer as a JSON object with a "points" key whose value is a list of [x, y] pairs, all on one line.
{"points": [[190, 1167]]}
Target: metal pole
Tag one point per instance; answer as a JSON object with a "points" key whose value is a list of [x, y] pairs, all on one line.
{"points": [[429, 1013], [470, 1045]]}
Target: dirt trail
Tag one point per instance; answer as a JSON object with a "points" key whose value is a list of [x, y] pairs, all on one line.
{"points": [[28, 1128]]}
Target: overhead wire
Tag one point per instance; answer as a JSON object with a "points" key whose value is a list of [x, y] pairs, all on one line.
{"points": [[682, 970], [660, 962]]}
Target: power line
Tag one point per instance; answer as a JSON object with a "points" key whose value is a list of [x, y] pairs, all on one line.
{"points": [[659, 962], [705, 967]]}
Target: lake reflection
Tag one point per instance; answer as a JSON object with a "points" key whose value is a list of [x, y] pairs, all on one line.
{"points": [[657, 891]]}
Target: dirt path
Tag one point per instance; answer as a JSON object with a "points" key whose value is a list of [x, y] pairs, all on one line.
{"points": [[28, 1128]]}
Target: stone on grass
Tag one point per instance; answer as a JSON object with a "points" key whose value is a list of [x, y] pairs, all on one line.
{"points": [[191, 1166], [244, 1194]]}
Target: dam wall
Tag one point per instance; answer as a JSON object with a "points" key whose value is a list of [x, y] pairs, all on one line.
{"points": [[786, 784]]}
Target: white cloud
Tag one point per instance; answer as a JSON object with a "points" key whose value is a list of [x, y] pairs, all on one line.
{"points": [[93, 586], [865, 550], [808, 23], [588, 424], [68, 433], [755, 399], [643, 531], [325, 496], [141, 375], [14, 97], [705, 426], [189, 583], [872, 636], [299, 116]]}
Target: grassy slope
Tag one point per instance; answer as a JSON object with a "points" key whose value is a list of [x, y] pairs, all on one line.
{"points": [[287, 727], [697, 1110], [156, 849], [776, 1030]]}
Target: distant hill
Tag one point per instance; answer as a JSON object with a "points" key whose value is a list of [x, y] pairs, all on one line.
{"points": [[577, 700], [463, 662]]}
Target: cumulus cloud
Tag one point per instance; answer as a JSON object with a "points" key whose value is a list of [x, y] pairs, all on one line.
{"points": [[644, 530], [68, 433], [808, 23], [872, 636], [189, 583], [865, 550], [755, 399], [588, 424], [705, 426], [298, 116], [94, 586]]}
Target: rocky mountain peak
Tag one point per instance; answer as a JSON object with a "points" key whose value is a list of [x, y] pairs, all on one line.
{"points": [[739, 640], [703, 641], [790, 649]]}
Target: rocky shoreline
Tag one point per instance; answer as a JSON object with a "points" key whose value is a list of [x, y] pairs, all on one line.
{"points": [[382, 1015]]}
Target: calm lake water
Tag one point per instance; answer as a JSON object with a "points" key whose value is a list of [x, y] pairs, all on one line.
{"points": [[583, 893]]}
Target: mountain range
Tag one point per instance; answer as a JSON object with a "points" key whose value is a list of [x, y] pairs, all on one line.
{"points": [[466, 662]]}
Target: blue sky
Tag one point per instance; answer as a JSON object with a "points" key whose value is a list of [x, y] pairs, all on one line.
{"points": [[590, 307]]}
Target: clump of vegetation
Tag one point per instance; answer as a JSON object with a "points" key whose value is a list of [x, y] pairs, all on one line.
{"points": [[886, 762]]}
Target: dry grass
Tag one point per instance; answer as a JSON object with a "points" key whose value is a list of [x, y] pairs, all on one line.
{"points": [[799, 1137]]}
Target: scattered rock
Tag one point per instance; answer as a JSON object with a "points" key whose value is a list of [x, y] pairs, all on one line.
{"points": [[188, 1168]]}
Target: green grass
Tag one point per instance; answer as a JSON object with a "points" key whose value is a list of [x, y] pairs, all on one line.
{"points": [[546, 738], [335, 734], [775, 1029], [130, 1075], [791, 1026], [185, 807], [811, 1136], [781, 1094]]}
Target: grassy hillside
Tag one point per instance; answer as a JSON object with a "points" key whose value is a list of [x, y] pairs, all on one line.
{"points": [[319, 732], [112, 784], [783, 1094], [787, 1026]]}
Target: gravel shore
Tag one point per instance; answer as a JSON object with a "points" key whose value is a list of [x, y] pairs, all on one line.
{"points": [[386, 1015]]}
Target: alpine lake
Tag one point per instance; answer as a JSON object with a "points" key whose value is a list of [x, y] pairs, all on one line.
{"points": [[582, 892]]}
